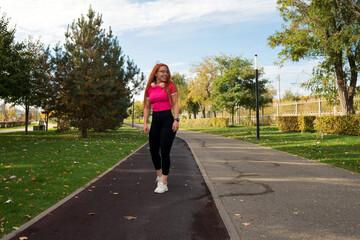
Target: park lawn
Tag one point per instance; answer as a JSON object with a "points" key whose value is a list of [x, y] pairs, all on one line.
{"points": [[337, 150], [39, 169]]}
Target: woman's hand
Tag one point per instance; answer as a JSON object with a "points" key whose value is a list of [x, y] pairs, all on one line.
{"points": [[175, 126], [146, 129]]}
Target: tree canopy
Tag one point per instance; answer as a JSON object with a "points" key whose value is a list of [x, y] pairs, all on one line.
{"points": [[325, 30], [235, 85]]}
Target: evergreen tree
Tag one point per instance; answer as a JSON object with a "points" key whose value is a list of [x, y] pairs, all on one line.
{"points": [[95, 82]]}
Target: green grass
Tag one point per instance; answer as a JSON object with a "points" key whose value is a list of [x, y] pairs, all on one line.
{"points": [[337, 150], [37, 170]]}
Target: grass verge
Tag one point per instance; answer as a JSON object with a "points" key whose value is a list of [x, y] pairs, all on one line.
{"points": [[37, 170], [337, 150]]}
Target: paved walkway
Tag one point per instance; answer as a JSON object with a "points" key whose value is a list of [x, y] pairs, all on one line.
{"points": [[122, 204], [50, 126], [268, 194], [259, 193]]}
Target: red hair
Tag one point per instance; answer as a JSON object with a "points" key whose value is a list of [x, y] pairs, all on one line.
{"points": [[152, 78]]}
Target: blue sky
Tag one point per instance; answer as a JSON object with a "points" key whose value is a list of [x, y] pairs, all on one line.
{"points": [[178, 32]]}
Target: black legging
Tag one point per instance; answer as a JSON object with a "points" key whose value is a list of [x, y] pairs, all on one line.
{"points": [[161, 138]]}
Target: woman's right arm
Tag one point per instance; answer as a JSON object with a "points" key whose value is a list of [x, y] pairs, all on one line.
{"points": [[146, 116]]}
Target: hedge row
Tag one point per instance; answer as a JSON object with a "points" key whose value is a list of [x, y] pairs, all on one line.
{"points": [[208, 122], [346, 125], [296, 123]]}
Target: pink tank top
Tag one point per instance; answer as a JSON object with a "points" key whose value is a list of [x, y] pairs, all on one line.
{"points": [[158, 97]]}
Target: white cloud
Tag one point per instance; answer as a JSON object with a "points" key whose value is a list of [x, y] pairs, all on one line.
{"points": [[49, 19]]}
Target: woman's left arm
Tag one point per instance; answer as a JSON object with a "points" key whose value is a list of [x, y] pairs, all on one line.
{"points": [[175, 105]]}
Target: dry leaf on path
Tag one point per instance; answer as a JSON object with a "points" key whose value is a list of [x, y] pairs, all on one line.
{"points": [[246, 224], [130, 218], [23, 238]]}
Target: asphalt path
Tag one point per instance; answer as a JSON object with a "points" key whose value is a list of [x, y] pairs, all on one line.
{"points": [[269, 194], [122, 205], [5, 130]]}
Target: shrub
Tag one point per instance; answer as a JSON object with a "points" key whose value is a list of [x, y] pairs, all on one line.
{"points": [[222, 122], [346, 125], [216, 122], [195, 122], [306, 123], [288, 124]]}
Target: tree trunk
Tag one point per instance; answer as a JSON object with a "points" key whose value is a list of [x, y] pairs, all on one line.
{"points": [[353, 80], [84, 132], [47, 121], [27, 107], [346, 108], [203, 112], [232, 115]]}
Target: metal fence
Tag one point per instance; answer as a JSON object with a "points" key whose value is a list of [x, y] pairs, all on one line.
{"points": [[269, 113]]}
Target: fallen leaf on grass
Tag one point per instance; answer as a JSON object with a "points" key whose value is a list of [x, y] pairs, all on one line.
{"points": [[246, 224], [130, 218]]}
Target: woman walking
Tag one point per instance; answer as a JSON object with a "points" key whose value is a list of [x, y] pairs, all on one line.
{"points": [[161, 95]]}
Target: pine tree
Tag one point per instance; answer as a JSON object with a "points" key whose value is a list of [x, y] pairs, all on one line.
{"points": [[95, 82]]}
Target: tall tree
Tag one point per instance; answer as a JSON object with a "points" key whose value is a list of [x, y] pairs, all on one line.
{"points": [[22, 86], [183, 89], [10, 59], [235, 86], [327, 30], [290, 96], [96, 77], [201, 86]]}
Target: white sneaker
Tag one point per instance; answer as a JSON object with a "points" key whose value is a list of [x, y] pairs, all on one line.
{"points": [[161, 188]]}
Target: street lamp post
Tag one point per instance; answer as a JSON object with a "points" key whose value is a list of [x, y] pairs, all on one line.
{"points": [[257, 98], [133, 113]]}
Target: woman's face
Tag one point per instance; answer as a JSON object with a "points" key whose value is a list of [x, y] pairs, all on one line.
{"points": [[162, 74]]}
